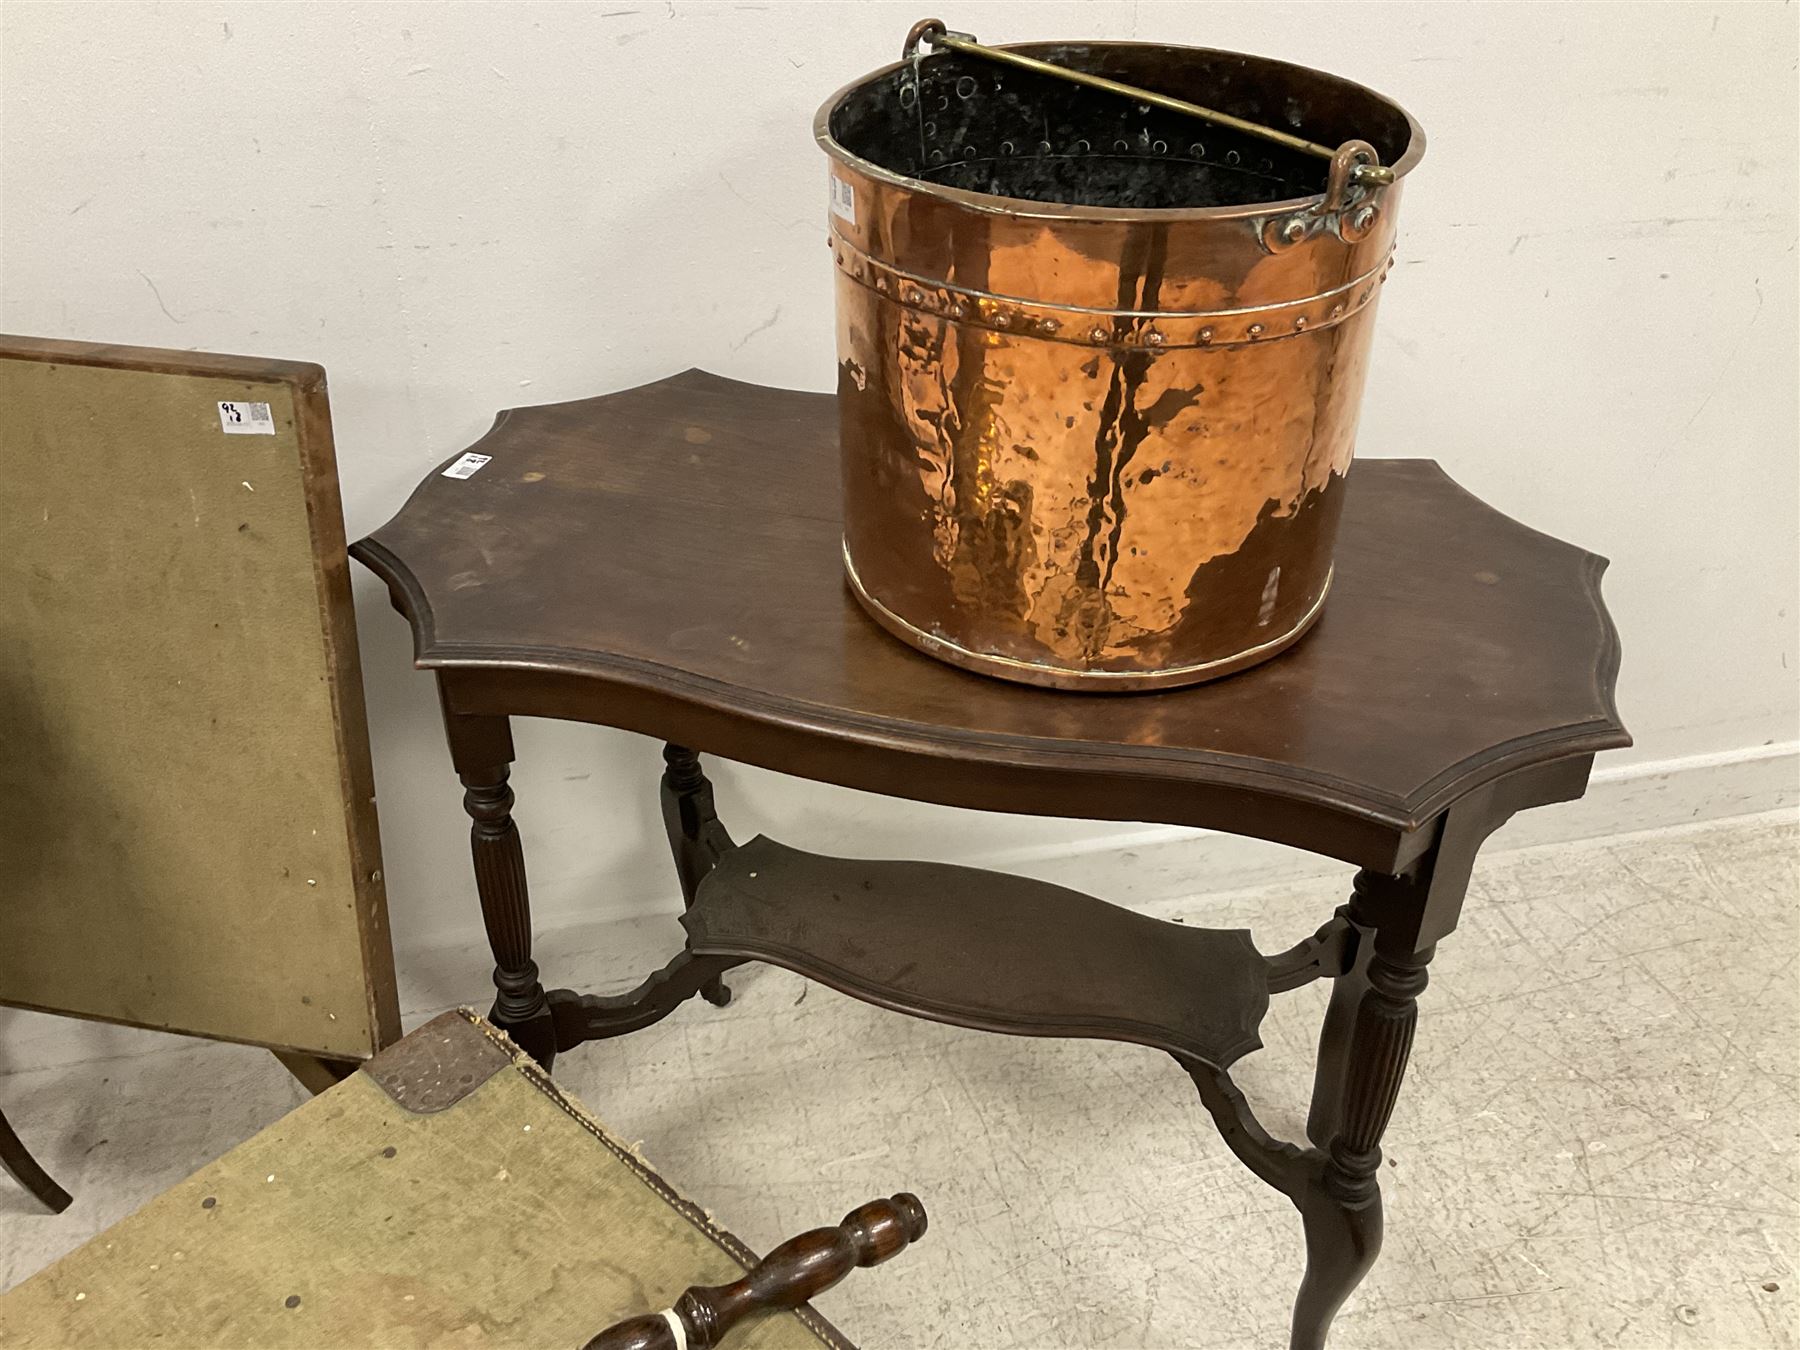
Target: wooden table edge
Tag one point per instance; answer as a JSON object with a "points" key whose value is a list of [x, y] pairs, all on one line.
{"points": [[1189, 790]]}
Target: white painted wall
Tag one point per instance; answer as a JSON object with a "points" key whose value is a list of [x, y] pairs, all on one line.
{"points": [[456, 208]]}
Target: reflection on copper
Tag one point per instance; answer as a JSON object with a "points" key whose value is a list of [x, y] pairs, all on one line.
{"points": [[1089, 451]]}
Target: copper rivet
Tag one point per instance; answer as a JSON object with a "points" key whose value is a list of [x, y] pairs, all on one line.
{"points": [[914, 295], [1300, 323], [1049, 325], [1336, 310], [1098, 334], [1206, 335], [1364, 218], [959, 309], [1256, 330], [1002, 321], [881, 283], [1294, 231], [1153, 339]]}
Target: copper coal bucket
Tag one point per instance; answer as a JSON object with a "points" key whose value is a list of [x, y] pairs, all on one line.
{"points": [[1104, 316]]}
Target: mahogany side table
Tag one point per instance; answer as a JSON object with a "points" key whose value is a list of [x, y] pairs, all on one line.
{"points": [[666, 560]]}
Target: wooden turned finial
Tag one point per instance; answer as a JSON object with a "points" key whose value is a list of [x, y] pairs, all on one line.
{"points": [[798, 1270]]}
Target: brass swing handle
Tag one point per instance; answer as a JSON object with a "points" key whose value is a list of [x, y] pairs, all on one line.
{"points": [[933, 33], [796, 1271]]}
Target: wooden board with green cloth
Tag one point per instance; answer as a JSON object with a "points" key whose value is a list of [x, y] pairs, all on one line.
{"points": [[191, 843], [449, 1193]]}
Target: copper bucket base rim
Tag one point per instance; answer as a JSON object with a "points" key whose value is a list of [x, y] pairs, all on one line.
{"points": [[1067, 678]]}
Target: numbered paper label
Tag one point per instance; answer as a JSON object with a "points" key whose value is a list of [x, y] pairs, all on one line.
{"points": [[466, 466], [843, 200], [246, 419]]}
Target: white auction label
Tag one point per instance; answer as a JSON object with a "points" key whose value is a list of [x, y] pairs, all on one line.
{"points": [[246, 419], [466, 466], [843, 200]]}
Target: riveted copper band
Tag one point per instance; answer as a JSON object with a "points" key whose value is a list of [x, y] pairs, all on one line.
{"points": [[1085, 326]]}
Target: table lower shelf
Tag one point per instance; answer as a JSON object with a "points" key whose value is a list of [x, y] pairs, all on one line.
{"points": [[985, 950], [1002, 953]]}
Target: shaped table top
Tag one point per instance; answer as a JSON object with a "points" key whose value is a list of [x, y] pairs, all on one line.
{"points": [[667, 559]]}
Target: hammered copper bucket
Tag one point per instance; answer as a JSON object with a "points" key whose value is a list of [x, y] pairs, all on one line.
{"points": [[1100, 359]]}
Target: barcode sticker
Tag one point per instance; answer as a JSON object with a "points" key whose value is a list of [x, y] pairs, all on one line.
{"points": [[843, 200], [466, 466], [246, 419]]}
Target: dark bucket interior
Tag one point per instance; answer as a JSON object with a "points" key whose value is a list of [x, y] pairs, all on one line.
{"points": [[974, 124]]}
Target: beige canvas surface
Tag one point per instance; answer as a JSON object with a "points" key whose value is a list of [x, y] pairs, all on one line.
{"points": [[183, 849], [508, 1218]]}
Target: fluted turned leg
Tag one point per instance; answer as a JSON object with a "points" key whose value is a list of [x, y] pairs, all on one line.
{"points": [[696, 837], [1362, 1059], [520, 1008]]}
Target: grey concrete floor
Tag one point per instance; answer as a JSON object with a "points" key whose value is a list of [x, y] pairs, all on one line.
{"points": [[1596, 1145]]}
